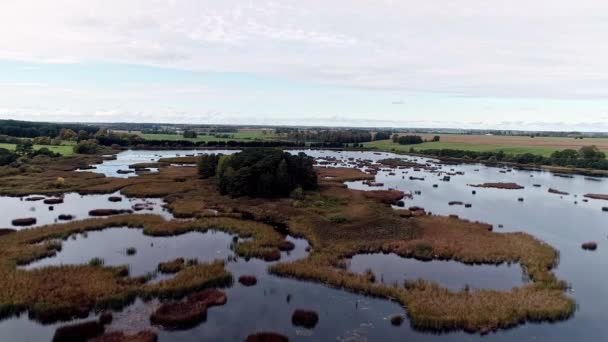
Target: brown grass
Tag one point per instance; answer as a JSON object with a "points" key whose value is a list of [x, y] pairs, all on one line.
{"points": [[62, 292], [597, 196], [366, 224], [341, 174], [119, 336], [498, 185], [373, 228], [266, 337]]}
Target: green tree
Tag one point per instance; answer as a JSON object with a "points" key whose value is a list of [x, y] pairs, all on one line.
{"points": [[207, 165], [591, 153], [25, 148], [190, 134]]}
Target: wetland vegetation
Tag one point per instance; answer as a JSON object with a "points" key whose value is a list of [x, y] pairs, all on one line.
{"points": [[338, 222]]}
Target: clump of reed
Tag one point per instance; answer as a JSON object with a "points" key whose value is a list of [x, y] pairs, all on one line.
{"points": [[248, 280], [396, 320], [172, 266], [119, 336], [186, 314], [304, 318], [590, 246], [78, 332], [266, 337], [96, 262], [27, 221]]}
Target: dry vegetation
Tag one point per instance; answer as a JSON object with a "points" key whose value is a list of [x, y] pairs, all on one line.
{"points": [[338, 223], [499, 185]]}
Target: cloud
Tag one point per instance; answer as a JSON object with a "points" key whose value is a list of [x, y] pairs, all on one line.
{"points": [[545, 48]]}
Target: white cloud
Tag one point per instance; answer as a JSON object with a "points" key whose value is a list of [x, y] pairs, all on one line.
{"points": [[521, 48]]}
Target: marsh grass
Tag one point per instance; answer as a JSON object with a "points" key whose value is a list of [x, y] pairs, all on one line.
{"points": [[430, 306], [369, 226], [62, 292]]}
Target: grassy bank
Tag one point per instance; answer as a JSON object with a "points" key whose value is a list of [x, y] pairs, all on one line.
{"points": [[389, 145]]}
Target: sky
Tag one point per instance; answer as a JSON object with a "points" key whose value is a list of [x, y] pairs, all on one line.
{"points": [[512, 64]]}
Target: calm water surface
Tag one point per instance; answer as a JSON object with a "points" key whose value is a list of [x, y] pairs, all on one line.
{"points": [[73, 204]]}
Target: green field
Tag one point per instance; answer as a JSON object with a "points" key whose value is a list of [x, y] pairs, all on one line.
{"points": [[65, 150], [239, 136], [388, 145]]}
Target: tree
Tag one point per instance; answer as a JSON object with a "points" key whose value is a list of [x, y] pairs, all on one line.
{"points": [[207, 165], [410, 140], [189, 134], [591, 153], [7, 157], [67, 134], [25, 148], [436, 138], [87, 147], [382, 135], [83, 135]]}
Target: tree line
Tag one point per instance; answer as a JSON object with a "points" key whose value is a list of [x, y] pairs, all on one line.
{"points": [[589, 157], [27, 129]]}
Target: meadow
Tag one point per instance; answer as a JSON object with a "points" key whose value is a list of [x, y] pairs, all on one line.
{"points": [[65, 150], [492, 143]]}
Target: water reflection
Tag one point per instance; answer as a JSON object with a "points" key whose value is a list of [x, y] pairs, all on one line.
{"points": [[73, 204], [393, 269]]}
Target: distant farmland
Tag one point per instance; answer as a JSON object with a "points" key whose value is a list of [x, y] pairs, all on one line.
{"points": [[207, 137], [494, 143]]}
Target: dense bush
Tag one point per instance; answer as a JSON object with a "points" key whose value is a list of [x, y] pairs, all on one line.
{"points": [[265, 173]]}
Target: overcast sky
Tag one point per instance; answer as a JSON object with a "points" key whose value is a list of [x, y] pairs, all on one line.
{"points": [[516, 64]]}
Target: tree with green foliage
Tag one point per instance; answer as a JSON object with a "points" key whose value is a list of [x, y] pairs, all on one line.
{"points": [[25, 148], [262, 172], [591, 153], [87, 147], [382, 135], [436, 138], [190, 134], [207, 165], [67, 134], [409, 140], [7, 157]]}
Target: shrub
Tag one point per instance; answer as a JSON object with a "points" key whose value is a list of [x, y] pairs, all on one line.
{"points": [[337, 219], [87, 147], [59, 182], [96, 262]]}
